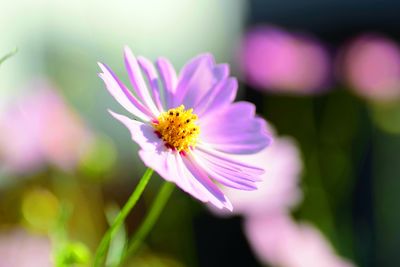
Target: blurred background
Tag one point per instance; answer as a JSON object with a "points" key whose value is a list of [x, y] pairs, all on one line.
{"points": [[324, 74]]}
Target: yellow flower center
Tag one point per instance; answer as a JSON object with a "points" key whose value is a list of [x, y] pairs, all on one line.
{"points": [[177, 128]]}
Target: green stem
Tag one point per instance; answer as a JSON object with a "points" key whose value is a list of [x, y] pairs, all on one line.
{"points": [[151, 218], [102, 248], [7, 56]]}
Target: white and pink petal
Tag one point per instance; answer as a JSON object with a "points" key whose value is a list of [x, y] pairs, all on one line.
{"points": [[138, 82], [235, 130], [185, 174], [221, 95], [142, 133], [122, 94], [168, 79], [152, 77]]}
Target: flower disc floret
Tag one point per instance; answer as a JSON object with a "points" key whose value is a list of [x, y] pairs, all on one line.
{"points": [[178, 129]]}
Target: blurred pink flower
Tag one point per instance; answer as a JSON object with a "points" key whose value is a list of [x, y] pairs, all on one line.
{"points": [[275, 238], [38, 129], [371, 66], [187, 126], [278, 240], [275, 60], [20, 249], [279, 189]]}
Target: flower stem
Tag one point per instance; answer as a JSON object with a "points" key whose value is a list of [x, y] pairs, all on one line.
{"points": [[151, 218], [102, 248], [10, 54]]}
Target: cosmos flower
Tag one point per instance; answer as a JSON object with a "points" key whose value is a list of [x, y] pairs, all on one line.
{"points": [[20, 249], [275, 60], [370, 64], [279, 189], [279, 241], [275, 238], [186, 125], [39, 129]]}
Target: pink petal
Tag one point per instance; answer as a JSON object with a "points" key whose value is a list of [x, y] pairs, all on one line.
{"points": [[203, 183], [172, 167], [152, 77], [138, 83], [169, 166], [279, 189], [169, 80], [240, 110], [222, 94], [225, 176], [183, 172], [195, 77], [122, 94], [235, 130], [164, 163], [204, 80], [203, 85], [228, 161], [142, 133]]}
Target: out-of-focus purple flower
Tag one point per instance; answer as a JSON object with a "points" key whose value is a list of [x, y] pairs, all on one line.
{"points": [[278, 240], [279, 189], [275, 60], [371, 66], [187, 127], [39, 129], [20, 249], [275, 238], [20, 132]]}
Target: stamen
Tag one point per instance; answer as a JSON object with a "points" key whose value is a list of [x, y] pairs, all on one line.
{"points": [[178, 129]]}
